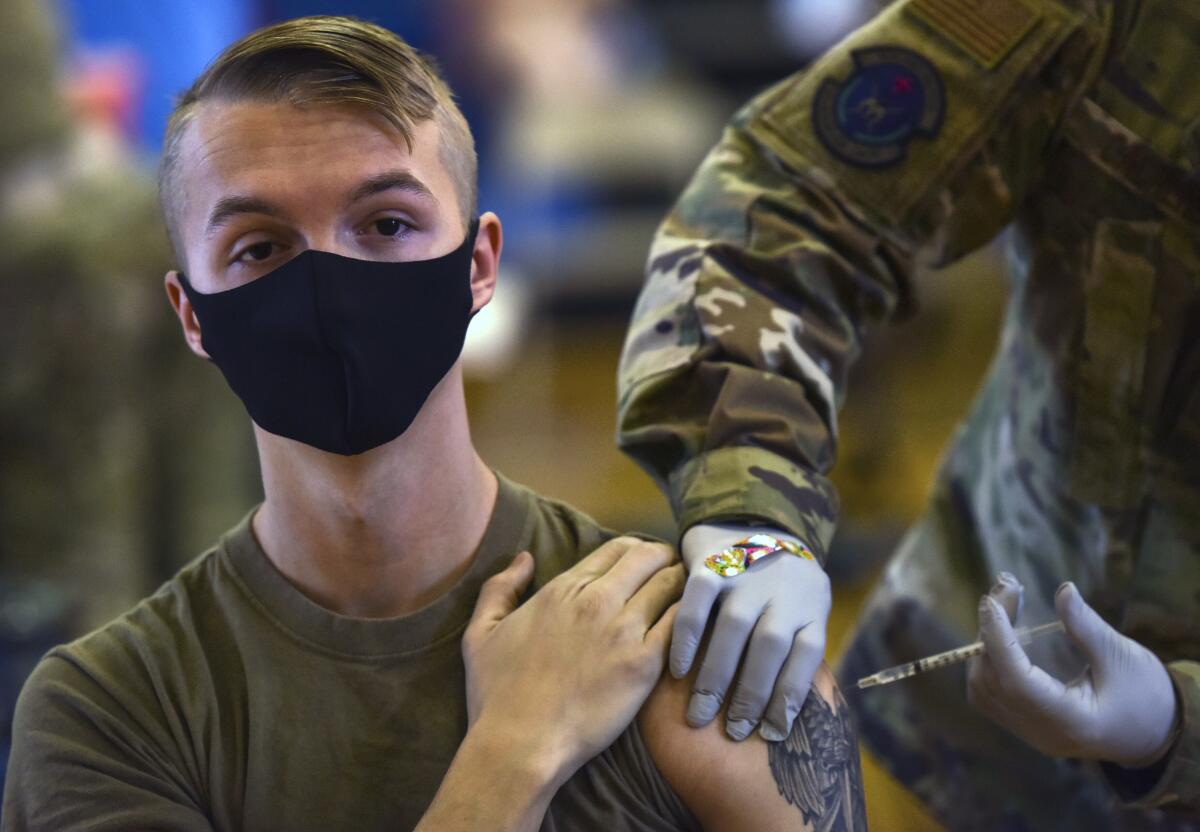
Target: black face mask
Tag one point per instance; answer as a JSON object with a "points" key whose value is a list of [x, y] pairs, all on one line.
{"points": [[335, 352]]}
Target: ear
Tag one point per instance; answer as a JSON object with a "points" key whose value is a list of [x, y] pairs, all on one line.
{"points": [[187, 315], [485, 261]]}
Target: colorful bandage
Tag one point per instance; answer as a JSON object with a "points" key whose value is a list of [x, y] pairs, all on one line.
{"points": [[738, 557]]}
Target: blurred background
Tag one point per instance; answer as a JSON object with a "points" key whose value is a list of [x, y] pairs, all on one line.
{"points": [[122, 456]]}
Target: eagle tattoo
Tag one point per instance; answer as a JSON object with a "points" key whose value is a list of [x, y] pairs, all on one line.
{"points": [[817, 770]]}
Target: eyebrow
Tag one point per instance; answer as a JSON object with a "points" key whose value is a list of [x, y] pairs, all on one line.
{"points": [[231, 206], [390, 180]]}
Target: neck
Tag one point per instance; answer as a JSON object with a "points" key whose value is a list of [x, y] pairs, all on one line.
{"points": [[383, 533]]}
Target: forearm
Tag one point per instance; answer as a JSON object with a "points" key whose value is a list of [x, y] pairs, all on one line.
{"points": [[495, 782], [759, 289]]}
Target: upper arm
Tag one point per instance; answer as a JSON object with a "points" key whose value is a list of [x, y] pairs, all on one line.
{"points": [[83, 758], [802, 782]]}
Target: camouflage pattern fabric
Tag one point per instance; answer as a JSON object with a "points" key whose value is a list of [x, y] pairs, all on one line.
{"points": [[120, 453], [1078, 123]]}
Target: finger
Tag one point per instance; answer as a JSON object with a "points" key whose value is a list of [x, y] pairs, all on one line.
{"points": [[720, 663], [981, 674], [658, 637], [699, 594], [984, 683], [795, 681], [1091, 633], [663, 589], [765, 657], [1009, 592], [636, 565], [993, 686], [974, 665], [601, 559], [1017, 718], [1003, 650], [1001, 593], [1018, 681], [984, 699], [499, 595]]}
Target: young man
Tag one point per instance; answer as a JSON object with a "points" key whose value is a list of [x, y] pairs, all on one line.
{"points": [[306, 673]]}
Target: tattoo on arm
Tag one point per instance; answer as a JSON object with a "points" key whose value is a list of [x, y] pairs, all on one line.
{"points": [[817, 768]]}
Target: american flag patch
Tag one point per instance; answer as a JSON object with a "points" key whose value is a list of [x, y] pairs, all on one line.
{"points": [[987, 30]]}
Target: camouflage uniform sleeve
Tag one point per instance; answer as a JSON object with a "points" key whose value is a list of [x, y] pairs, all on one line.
{"points": [[803, 229], [1174, 781]]}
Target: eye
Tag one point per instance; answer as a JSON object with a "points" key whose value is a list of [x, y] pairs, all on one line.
{"points": [[256, 252], [259, 251], [389, 226]]}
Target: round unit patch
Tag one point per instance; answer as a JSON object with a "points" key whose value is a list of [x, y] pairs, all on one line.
{"points": [[892, 96]]}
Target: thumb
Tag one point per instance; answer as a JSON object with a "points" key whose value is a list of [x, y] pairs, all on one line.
{"points": [[1091, 633], [500, 593]]}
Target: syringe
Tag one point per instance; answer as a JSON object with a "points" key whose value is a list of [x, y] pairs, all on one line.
{"points": [[958, 654]]}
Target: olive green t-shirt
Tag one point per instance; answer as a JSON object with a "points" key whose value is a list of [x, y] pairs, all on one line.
{"points": [[229, 700]]}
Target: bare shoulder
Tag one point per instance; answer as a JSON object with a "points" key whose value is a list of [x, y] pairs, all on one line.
{"points": [[810, 780]]}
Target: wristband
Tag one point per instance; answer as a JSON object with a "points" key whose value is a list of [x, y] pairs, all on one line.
{"points": [[737, 558]]}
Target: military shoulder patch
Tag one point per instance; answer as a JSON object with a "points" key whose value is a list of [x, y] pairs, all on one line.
{"points": [[987, 30], [892, 96]]}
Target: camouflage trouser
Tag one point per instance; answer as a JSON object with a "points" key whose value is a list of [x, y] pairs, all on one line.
{"points": [[970, 773]]}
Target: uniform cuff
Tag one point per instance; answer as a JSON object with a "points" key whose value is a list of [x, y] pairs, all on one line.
{"points": [[751, 485], [1176, 778]]}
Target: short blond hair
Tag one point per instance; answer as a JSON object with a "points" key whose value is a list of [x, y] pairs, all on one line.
{"points": [[327, 60]]}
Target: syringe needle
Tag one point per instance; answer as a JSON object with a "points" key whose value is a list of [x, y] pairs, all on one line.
{"points": [[949, 657]]}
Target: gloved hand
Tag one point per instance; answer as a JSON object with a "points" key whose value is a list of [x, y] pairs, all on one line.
{"points": [[780, 605], [1122, 708]]}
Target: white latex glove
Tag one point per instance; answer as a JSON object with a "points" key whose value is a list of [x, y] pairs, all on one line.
{"points": [[1122, 708], [779, 606]]}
